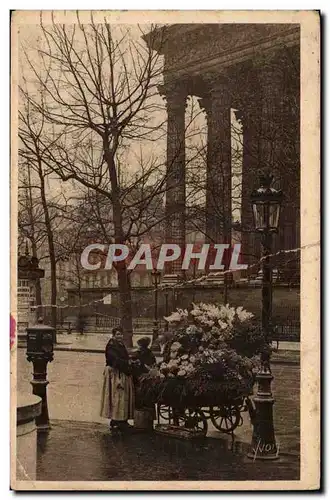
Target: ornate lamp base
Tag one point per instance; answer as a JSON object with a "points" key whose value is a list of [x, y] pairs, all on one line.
{"points": [[264, 446]]}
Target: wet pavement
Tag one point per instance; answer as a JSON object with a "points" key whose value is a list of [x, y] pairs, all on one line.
{"points": [[96, 342], [79, 446], [75, 384], [75, 451]]}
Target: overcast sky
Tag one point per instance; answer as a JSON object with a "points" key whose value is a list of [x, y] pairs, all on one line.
{"points": [[30, 40]]}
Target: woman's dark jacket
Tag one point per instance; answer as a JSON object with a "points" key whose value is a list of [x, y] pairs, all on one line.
{"points": [[117, 357]]}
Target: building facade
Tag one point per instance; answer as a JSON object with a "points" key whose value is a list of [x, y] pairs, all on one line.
{"points": [[253, 69]]}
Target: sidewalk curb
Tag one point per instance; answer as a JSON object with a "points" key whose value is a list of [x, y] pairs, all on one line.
{"points": [[278, 361], [294, 362]]}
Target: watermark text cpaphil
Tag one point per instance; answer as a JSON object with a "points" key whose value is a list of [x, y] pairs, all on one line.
{"points": [[211, 255]]}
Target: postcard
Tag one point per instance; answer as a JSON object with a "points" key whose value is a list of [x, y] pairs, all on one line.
{"points": [[165, 250]]}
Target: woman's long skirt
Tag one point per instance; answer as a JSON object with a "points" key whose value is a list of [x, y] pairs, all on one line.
{"points": [[117, 400]]}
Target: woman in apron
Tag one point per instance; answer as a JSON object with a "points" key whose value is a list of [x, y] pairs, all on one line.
{"points": [[118, 389]]}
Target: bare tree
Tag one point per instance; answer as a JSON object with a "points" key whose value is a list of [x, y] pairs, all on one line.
{"points": [[98, 85], [32, 154], [30, 220]]}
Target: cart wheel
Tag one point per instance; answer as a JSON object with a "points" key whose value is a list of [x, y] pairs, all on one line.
{"points": [[193, 419], [225, 418], [164, 412]]}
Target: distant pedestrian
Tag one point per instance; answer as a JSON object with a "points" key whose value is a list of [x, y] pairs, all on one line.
{"points": [[118, 390]]}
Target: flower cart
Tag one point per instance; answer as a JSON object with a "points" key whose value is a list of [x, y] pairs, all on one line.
{"points": [[193, 401], [208, 370], [225, 417]]}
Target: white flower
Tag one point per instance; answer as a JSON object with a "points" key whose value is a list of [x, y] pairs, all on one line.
{"points": [[175, 346], [182, 373], [195, 312], [243, 315], [173, 318], [222, 324], [177, 316], [191, 330]]}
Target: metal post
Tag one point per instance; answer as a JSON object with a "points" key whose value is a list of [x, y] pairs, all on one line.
{"points": [[166, 310], [62, 299], [263, 440], [155, 330], [227, 239], [175, 298], [266, 286]]}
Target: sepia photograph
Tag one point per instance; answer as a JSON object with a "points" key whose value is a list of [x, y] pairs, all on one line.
{"points": [[164, 330]]}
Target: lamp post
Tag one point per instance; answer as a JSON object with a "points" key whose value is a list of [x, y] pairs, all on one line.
{"points": [[166, 309], [266, 206], [175, 298], [156, 281], [62, 300]]}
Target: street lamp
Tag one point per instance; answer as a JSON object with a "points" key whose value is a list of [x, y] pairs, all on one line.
{"points": [[156, 281], [62, 300], [266, 205], [166, 308]]}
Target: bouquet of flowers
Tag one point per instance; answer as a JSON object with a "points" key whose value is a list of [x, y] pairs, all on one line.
{"points": [[217, 325], [212, 346]]}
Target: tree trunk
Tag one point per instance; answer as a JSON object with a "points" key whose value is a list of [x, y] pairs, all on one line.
{"points": [[53, 289], [125, 303], [33, 244], [38, 285], [125, 299], [51, 248]]}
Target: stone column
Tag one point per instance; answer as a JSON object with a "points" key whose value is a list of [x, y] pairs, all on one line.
{"points": [[250, 240], [218, 180], [269, 131], [289, 237], [290, 150], [218, 184], [279, 144], [176, 98]]}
